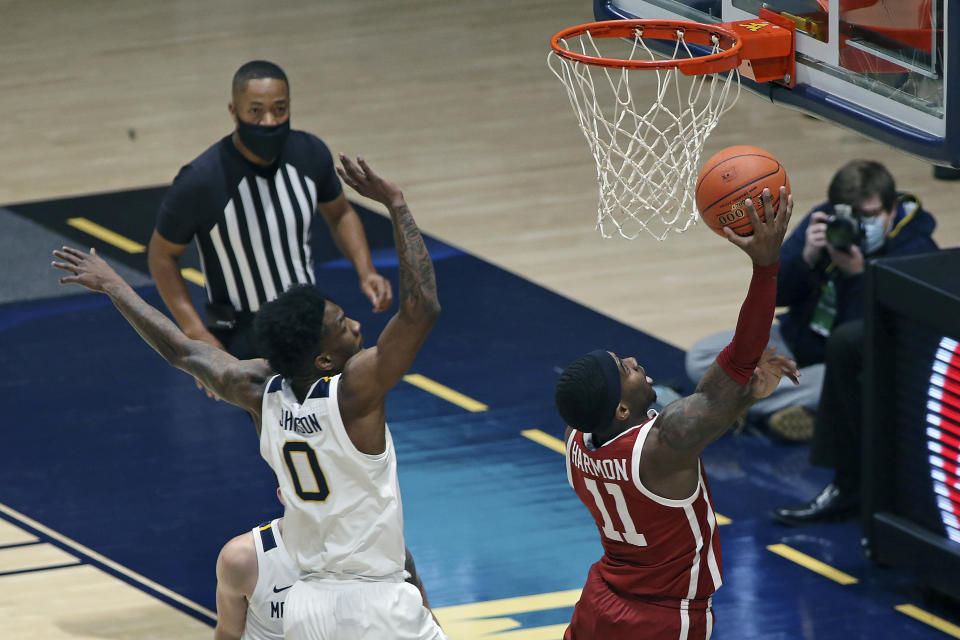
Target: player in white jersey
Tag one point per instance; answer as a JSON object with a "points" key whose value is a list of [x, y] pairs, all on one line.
{"points": [[330, 392], [254, 575]]}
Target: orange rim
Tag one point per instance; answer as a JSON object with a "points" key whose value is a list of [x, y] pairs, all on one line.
{"points": [[693, 32]]}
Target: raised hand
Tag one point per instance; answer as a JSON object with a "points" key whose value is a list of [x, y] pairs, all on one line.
{"points": [[364, 181], [89, 270], [772, 367], [763, 246], [378, 291]]}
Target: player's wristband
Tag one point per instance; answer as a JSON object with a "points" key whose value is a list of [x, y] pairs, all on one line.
{"points": [[741, 356]]}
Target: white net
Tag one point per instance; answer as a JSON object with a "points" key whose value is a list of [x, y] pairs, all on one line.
{"points": [[647, 150]]}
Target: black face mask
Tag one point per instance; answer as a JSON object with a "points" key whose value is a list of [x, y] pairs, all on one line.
{"points": [[265, 142]]}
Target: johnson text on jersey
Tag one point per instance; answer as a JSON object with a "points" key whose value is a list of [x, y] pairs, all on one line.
{"points": [[304, 425]]}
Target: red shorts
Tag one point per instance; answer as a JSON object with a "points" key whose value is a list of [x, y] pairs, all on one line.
{"points": [[601, 614]]}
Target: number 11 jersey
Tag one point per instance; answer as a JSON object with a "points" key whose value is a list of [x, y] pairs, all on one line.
{"points": [[343, 516], [653, 546]]}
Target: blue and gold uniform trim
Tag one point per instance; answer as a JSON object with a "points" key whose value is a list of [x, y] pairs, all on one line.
{"points": [[276, 383], [321, 388], [267, 538]]}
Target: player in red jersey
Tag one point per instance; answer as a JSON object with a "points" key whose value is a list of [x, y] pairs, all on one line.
{"points": [[640, 473]]}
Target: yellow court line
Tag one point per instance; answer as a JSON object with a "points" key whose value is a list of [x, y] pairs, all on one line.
{"points": [[193, 276], [106, 235], [514, 605], [928, 618], [812, 563], [119, 568], [446, 393], [491, 620], [128, 245], [552, 442], [544, 438]]}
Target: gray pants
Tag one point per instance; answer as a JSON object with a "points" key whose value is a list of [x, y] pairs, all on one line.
{"points": [[702, 354]]}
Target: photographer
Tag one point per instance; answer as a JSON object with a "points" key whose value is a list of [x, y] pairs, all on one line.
{"points": [[821, 278], [821, 283]]}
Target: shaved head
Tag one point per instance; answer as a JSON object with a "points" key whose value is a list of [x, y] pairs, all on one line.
{"points": [[255, 70]]}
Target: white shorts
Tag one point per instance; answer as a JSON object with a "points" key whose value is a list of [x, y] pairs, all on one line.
{"points": [[355, 610]]}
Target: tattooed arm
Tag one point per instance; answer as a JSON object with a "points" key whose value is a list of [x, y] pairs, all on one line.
{"points": [[743, 372], [670, 460], [238, 382], [369, 375]]}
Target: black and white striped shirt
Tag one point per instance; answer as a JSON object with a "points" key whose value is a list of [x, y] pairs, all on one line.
{"points": [[252, 223]]}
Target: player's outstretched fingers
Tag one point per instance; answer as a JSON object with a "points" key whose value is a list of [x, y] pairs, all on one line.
{"points": [[743, 241], [343, 176], [62, 256], [368, 172], [355, 171], [71, 258], [64, 266], [786, 211], [349, 171], [67, 254], [752, 214], [731, 236], [73, 269], [769, 215]]}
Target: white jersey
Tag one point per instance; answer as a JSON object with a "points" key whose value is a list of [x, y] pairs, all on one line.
{"points": [[344, 517], [276, 573]]}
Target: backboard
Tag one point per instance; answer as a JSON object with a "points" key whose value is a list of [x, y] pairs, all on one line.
{"points": [[876, 66]]}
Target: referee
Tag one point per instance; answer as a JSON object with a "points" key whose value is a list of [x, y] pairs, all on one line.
{"points": [[250, 201]]}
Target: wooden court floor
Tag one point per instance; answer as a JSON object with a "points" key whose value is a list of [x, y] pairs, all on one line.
{"points": [[452, 99]]}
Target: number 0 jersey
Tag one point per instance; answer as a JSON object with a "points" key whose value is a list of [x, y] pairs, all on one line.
{"points": [[344, 517], [652, 546]]}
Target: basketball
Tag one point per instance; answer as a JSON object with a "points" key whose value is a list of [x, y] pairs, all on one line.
{"points": [[729, 178]]}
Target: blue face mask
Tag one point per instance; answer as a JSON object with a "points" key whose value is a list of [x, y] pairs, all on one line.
{"points": [[265, 142], [873, 236]]}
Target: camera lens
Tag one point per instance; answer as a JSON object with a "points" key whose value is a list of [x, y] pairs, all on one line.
{"points": [[842, 231]]}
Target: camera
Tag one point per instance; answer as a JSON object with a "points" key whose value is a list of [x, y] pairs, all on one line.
{"points": [[843, 228]]}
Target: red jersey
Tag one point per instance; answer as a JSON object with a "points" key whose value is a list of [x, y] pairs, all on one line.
{"points": [[652, 546]]}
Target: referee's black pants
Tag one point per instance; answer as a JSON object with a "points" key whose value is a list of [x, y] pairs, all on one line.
{"points": [[239, 341]]}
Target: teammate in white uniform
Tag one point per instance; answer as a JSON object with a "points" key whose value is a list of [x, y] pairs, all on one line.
{"points": [[323, 427], [254, 576]]}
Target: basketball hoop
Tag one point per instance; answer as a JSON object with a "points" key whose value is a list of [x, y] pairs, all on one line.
{"points": [[648, 155]]}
